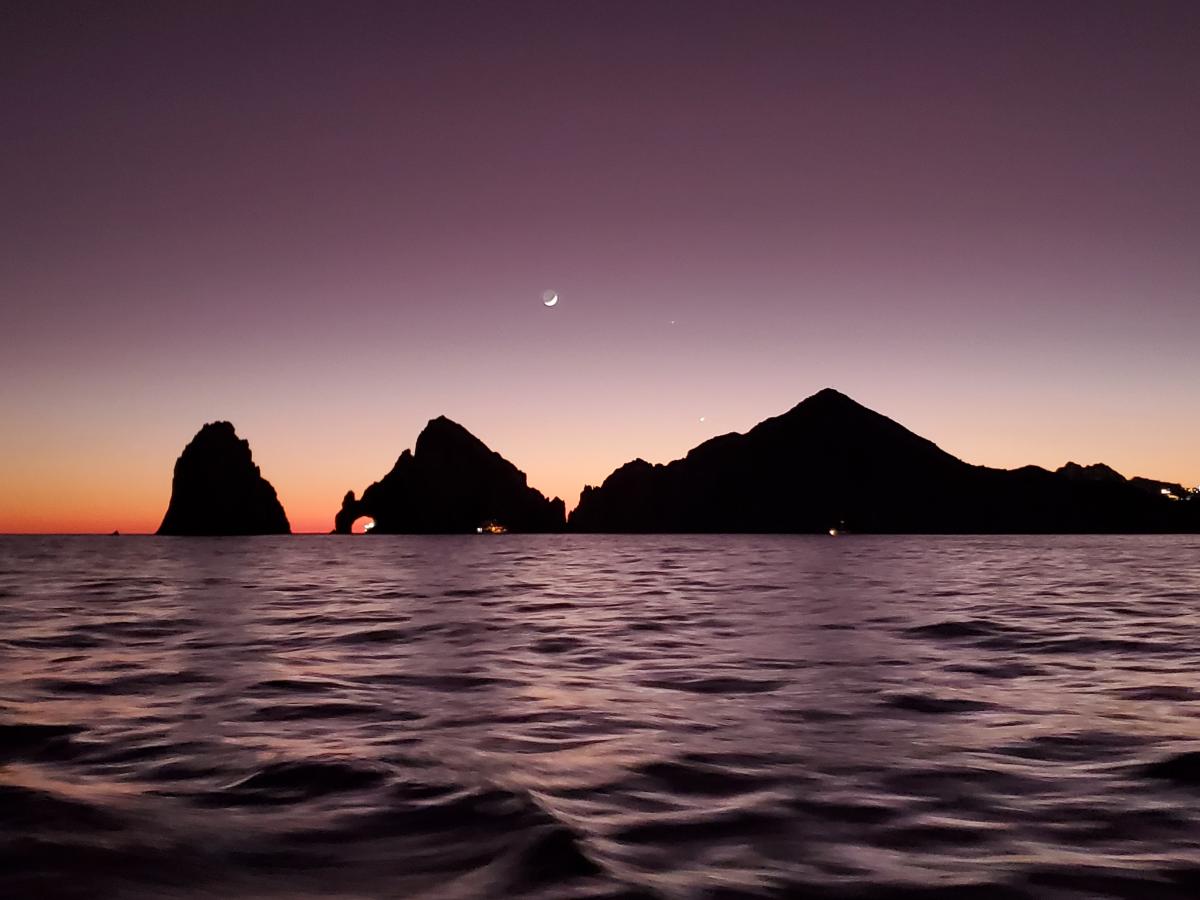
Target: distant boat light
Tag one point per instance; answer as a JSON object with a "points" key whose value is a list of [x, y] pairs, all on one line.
{"points": [[370, 524]]}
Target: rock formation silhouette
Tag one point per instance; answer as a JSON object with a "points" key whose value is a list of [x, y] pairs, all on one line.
{"points": [[217, 489], [451, 483], [1099, 472], [832, 463]]}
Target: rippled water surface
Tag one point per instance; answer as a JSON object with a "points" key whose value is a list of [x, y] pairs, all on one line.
{"points": [[658, 717]]}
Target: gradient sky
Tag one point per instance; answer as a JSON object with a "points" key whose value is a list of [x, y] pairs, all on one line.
{"points": [[329, 223]]}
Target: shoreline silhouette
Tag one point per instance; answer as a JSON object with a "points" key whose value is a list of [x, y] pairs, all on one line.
{"points": [[828, 465]]}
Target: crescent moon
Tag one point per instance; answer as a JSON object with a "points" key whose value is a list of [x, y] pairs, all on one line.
{"points": [[550, 298]]}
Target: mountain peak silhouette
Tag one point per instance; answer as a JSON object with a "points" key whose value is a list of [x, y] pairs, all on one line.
{"points": [[442, 436], [829, 396], [831, 462]]}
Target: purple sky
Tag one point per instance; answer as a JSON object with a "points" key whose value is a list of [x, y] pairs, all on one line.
{"points": [[332, 222]]}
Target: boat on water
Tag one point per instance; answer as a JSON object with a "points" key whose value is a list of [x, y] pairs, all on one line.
{"points": [[491, 527]]}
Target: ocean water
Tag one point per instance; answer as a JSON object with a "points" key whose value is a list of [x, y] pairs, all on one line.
{"points": [[599, 717]]}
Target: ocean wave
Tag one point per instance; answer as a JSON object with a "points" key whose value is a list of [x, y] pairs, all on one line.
{"points": [[667, 717]]}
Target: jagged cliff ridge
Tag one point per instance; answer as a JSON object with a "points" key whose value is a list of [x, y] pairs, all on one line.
{"points": [[451, 483], [1102, 473], [217, 489], [830, 462]]}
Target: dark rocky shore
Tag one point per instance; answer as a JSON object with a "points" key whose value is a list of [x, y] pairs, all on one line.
{"points": [[831, 463], [827, 464]]}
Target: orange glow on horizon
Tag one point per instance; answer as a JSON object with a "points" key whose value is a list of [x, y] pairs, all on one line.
{"points": [[50, 493]]}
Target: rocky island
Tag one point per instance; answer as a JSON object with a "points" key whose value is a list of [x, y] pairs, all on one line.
{"points": [[451, 483], [218, 490]]}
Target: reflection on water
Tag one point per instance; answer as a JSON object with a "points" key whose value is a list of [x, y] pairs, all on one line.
{"points": [[669, 716]]}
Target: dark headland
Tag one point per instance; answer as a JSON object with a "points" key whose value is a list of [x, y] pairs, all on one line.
{"points": [[831, 463], [218, 490], [451, 483]]}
